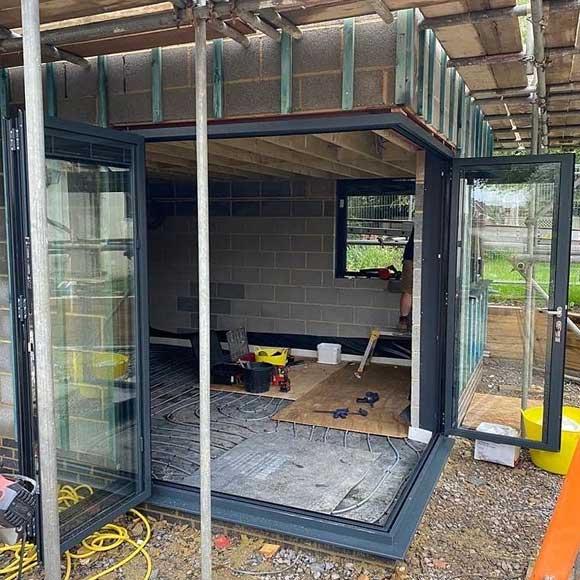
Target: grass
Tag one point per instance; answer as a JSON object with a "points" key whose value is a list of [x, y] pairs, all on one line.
{"points": [[362, 257], [509, 286]]}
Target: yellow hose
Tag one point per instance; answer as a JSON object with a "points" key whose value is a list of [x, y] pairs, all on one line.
{"points": [[110, 537]]}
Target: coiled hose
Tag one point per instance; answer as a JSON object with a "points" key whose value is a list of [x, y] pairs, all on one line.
{"points": [[23, 557]]}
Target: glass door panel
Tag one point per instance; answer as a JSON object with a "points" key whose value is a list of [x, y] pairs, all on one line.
{"points": [[95, 184], [510, 277]]}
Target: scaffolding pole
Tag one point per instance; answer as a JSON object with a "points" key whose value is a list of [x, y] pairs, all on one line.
{"points": [[40, 285], [201, 15]]}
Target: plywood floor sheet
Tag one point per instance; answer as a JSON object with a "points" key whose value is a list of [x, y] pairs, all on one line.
{"points": [[495, 409], [342, 388], [303, 379]]}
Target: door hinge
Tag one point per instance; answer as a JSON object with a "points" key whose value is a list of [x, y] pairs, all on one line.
{"points": [[142, 444], [14, 139], [22, 308]]}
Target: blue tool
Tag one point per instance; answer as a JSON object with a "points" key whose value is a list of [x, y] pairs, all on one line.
{"points": [[370, 398], [343, 413]]}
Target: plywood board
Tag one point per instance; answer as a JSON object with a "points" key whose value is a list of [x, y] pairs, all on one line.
{"points": [[303, 379], [342, 389], [495, 409]]}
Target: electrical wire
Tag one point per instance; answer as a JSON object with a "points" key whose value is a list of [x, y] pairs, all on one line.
{"points": [[23, 556]]}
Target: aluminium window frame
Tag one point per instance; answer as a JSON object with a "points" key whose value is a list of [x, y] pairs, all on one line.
{"points": [[347, 188]]}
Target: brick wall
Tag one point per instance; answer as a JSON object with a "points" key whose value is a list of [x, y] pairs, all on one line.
{"points": [[251, 77], [272, 262]]}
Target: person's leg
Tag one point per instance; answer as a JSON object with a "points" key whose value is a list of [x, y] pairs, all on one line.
{"points": [[406, 303]]}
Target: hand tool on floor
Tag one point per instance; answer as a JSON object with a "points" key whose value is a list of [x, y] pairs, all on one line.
{"points": [[368, 354], [343, 413], [370, 398]]}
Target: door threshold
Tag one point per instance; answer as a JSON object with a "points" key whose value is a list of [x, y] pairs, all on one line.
{"points": [[390, 541]]}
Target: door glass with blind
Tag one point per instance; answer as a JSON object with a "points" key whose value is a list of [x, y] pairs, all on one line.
{"points": [[509, 272], [94, 191]]}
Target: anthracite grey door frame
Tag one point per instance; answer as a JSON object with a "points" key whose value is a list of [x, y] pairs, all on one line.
{"points": [[561, 232], [392, 539], [18, 190]]}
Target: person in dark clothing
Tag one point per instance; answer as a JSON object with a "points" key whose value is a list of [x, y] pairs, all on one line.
{"points": [[407, 285]]}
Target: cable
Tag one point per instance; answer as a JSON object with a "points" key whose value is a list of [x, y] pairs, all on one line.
{"points": [[110, 537]]}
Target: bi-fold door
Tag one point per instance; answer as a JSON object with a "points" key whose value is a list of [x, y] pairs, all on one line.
{"points": [[509, 261], [96, 195]]}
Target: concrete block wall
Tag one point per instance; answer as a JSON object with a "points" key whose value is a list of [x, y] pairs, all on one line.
{"points": [[272, 262], [252, 77]]}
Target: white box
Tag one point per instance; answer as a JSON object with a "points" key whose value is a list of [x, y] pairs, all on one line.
{"points": [[329, 354], [500, 453]]}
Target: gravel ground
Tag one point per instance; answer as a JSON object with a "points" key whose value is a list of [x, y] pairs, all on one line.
{"points": [[483, 521], [503, 377]]}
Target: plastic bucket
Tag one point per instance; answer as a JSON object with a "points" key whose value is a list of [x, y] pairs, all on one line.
{"points": [[552, 461], [258, 377], [274, 356]]}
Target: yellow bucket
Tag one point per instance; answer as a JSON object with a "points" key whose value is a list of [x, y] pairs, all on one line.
{"points": [[558, 461], [274, 356]]}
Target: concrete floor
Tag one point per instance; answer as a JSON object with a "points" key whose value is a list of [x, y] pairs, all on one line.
{"points": [[351, 475]]}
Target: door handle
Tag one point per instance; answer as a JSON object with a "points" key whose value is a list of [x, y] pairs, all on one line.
{"points": [[558, 313]]}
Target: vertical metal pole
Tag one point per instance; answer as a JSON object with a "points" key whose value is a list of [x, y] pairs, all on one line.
{"points": [[201, 16], [529, 312], [40, 266]]}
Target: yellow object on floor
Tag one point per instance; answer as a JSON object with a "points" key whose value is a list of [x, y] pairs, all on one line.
{"points": [[110, 537], [274, 356], [553, 461]]}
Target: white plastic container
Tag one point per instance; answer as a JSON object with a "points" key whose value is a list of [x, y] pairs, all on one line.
{"points": [[329, 354]]}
